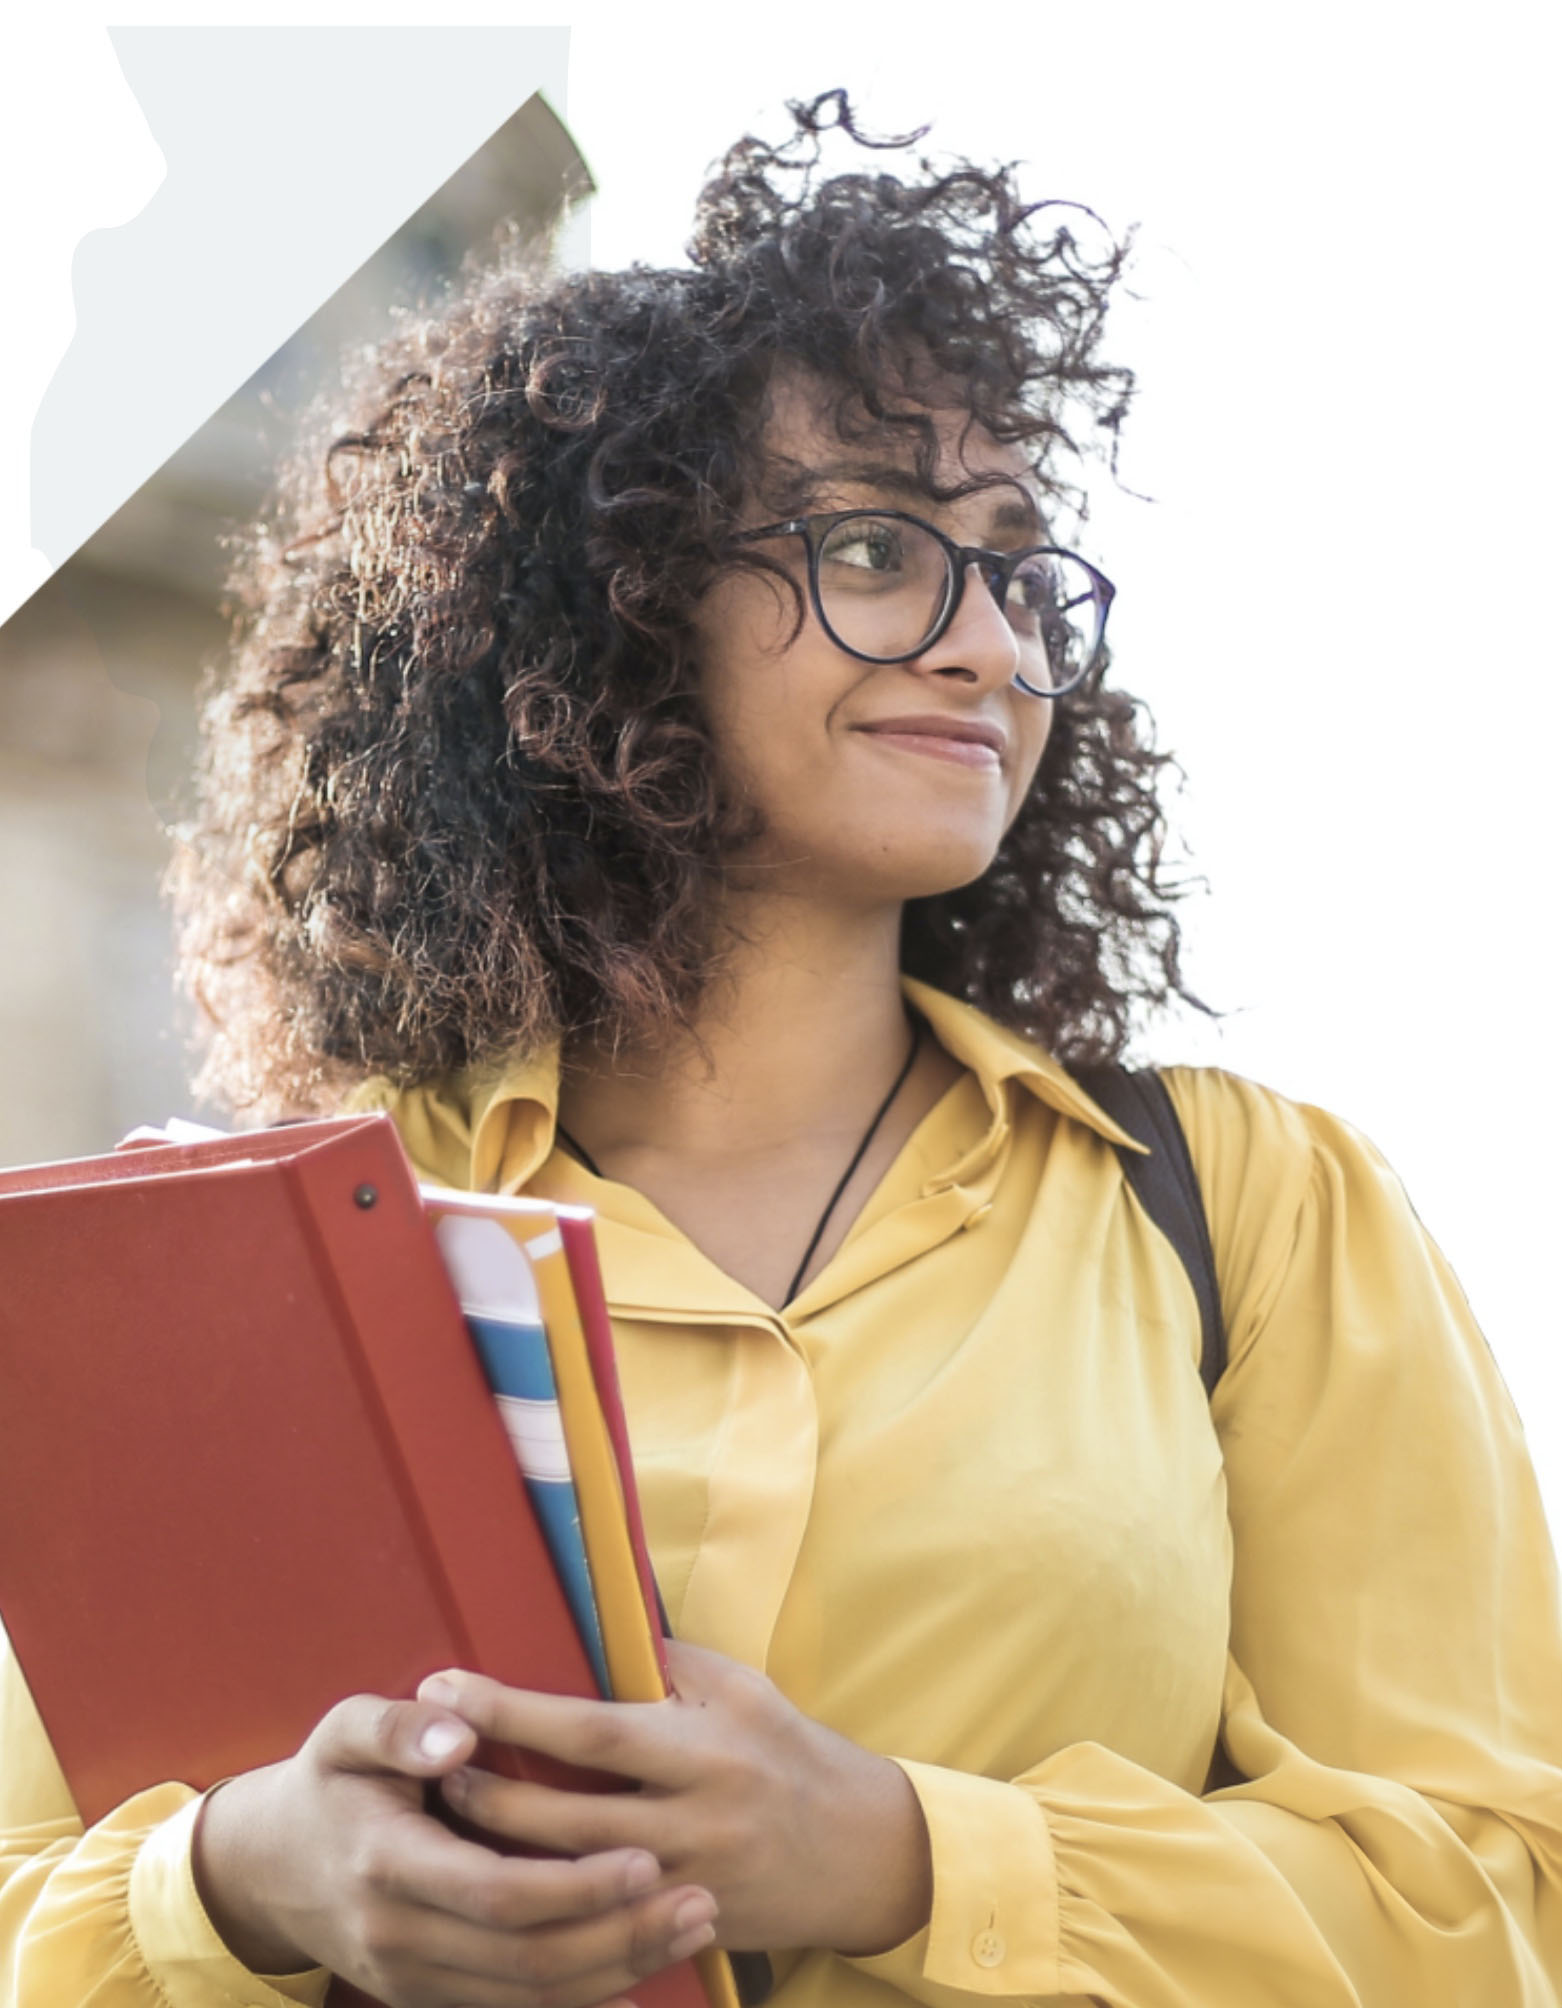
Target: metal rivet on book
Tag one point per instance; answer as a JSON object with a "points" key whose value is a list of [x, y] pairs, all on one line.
{"points": [[365, 1196]]}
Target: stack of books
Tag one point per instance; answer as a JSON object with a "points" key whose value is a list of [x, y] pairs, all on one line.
{"points": [[281, 1426]]}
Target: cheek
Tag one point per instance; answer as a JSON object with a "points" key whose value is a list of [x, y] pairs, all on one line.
{"points": [[742, 633], [745, 615], [1033, 728]]}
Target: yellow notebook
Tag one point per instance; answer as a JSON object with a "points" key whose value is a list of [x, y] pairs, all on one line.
{"points": [[632, 1661]]}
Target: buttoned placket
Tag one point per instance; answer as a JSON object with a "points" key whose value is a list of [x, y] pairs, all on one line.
{"points": [[761, 1471]]}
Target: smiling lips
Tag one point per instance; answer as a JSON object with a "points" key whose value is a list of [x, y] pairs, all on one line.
{"points": [[967, 742]]}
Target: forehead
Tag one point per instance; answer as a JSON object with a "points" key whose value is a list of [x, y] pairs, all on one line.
{"points": [[806, 450]]}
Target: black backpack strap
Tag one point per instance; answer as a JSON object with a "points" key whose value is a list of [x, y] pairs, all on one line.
{"points": [[1167, 1187]]}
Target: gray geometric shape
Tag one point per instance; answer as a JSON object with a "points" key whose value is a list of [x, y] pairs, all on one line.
{"points": [[292, 154]]}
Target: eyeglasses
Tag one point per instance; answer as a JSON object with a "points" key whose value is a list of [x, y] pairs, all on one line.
{"points": [[886, 586]]}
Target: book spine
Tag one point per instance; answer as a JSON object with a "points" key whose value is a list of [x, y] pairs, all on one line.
{"points": [[487, 1560], [304, 1188], [633, 1661], [580, 1249]]}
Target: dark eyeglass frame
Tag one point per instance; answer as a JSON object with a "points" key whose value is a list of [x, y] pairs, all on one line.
{"points": [[997, 569]]}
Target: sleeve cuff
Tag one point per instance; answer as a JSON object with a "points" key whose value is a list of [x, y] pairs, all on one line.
{"points": [[178, 1942], [994, 1928]]}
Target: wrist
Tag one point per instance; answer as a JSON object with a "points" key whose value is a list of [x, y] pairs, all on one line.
{"points": [[228, 1860], [888, 1889]]}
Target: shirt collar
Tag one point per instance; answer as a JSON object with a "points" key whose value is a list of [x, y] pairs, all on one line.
{"points": [[490, 1128], [996, 1055]]}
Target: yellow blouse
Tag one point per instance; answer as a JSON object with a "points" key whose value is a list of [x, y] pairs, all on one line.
{"points": [[966, 1502]]}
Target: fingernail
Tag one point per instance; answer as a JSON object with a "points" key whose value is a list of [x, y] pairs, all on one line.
{"points": [[691, 1942], [640, 1871], [456, 1783], [439, 1690], [694, 1910], [439, 1739]]}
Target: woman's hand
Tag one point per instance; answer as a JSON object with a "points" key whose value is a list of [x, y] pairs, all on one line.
{"points": [[330, 1860], [801, 1837]]}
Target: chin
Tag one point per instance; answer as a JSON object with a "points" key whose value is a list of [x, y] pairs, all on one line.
{"points": [[925, 875], [871, 867], [934, 884]]}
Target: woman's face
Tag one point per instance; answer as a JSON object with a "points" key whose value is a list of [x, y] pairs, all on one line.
{"points": [[874, 782]]}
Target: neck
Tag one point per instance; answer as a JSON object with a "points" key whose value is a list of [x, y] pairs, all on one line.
{"points": [[801, 1035]]}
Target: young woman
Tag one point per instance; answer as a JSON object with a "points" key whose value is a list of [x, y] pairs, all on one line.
{"points": [[671, 766]]}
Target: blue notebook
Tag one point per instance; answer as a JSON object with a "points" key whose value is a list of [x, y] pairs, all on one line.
{"points": [[498, 1297]]}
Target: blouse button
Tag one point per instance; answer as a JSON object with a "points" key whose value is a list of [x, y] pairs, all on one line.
{"points": [[988, 1948], [976, 1218]]}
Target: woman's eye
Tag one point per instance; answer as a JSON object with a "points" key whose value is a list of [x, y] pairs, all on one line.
{"points": [[1025, 610], [872, 547], [1032, 602]]}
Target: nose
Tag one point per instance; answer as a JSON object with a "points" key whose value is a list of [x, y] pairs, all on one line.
{"points": [[978, 647]]}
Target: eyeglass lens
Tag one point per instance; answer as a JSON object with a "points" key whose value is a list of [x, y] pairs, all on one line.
{"points": [[885, 584]]}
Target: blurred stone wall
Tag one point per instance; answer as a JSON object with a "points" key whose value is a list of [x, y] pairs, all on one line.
{"points": [[98, 678]]}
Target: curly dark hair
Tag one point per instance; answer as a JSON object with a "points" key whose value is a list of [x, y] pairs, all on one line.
{"points": [[459, 796]]}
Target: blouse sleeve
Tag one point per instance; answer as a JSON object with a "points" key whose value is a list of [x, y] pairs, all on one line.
{"points": [[109, 1917], [1388, 1829]]}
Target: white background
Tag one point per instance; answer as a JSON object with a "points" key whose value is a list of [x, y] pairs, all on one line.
{"points": [[1340, 604]]}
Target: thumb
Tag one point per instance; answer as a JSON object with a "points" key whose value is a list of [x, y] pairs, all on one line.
{"points": [[417, 1739]]}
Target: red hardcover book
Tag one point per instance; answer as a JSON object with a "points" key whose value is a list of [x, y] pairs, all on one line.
{"points": [[249, 1463]]}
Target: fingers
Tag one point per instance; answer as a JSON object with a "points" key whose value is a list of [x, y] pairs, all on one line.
{"points": [[565, 1823], [434, 1868], [643, 1740], [419, 1861], [561, 1963], [416, 1739]]}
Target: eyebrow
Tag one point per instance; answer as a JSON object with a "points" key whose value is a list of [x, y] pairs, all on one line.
{"points": [[1015, 511]]}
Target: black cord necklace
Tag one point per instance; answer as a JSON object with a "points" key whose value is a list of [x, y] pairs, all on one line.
{"points": [[579, 1150]]}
